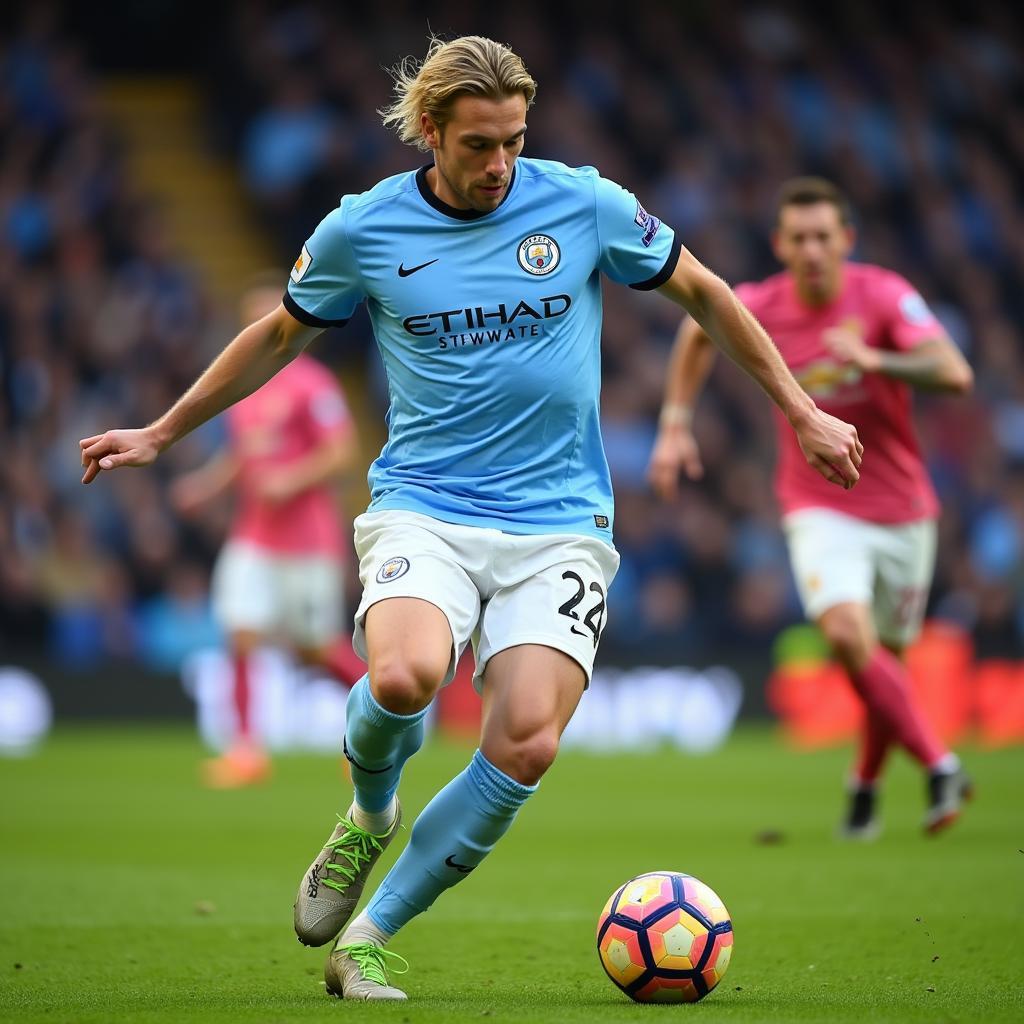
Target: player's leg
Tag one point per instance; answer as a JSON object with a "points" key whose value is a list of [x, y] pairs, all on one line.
{"points": [[533, 662], [905, 565], [850, 633], [411, 638], [245, 604], [876, 736], [409, 643], [882, 681], [529, 695], [832, 566]]}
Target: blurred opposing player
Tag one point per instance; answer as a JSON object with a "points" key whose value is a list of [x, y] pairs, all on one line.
{"points": [[491, 513], [279, 577], [857, 338]]}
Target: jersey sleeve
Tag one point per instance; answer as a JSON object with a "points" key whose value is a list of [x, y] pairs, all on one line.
{"points": [[325, 285], [636, 248], [909, 319]]}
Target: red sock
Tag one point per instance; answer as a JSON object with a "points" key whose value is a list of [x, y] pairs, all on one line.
{"points": [[240, 692], [885, 689], [875, 740]]}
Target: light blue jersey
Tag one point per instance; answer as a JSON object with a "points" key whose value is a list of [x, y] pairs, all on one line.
{"points": [[489, 326]]}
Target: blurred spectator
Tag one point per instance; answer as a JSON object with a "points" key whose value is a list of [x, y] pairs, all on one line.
{"points": [[96, 314]]}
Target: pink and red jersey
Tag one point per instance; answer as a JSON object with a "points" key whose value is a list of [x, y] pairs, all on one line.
{"points": [[291, 415], [887, 312]]}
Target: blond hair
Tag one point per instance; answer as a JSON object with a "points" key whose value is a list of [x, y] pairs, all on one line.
{"points": [[466, 66]]}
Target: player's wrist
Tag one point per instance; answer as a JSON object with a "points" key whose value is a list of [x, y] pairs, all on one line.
{"points": [[872, 361], [801, 412], [161, 435], [677, 415]]}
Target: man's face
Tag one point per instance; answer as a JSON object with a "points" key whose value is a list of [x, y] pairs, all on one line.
{"points": [[813, 242], [474, 153]]}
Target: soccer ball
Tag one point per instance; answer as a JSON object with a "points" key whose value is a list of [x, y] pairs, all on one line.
{"points": [[665, 937]]}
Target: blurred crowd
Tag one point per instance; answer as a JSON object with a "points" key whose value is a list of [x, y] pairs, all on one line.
{"points": [[918, 112], [99, 324]]}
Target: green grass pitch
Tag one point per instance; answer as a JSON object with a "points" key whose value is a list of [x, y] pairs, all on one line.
{"points": [[131, 894]]}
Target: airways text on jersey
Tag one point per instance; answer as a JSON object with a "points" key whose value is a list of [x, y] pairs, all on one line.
{"points": [[481, 325]]}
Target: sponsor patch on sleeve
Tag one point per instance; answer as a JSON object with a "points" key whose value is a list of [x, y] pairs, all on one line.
{"points": [[302, 264], [648, 225], [915, 310]]}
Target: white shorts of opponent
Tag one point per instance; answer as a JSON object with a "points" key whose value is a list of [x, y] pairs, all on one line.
{"points": [[498, 590], [296, 598], [838, 558]]}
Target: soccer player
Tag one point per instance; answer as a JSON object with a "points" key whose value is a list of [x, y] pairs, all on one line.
{"points": [[491, 511], [858, 338], [280, 574]]}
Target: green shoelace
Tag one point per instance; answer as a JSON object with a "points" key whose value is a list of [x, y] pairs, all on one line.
{"points": [[358, 847], [370, 961]]}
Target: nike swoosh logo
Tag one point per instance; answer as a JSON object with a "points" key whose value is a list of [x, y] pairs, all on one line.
{"points": [[405, 272], [578, 632], [463, 868]]}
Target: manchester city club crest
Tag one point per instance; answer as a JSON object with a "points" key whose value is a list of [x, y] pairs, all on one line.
{"points": [[392, 569], [539, 254]]}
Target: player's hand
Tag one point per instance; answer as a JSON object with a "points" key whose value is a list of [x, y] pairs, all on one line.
{"points": [[832, 447], [848, 346], [117, 448], [675, 449], [187, 494], [276, 487]]}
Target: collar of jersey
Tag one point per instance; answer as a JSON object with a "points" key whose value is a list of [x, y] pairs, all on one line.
{"points": [[441, 206]]}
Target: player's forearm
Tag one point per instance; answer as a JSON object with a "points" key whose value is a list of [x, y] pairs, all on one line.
{"points": [[930, 367], [245, 365], [735, 330], [326, 463], [214, 478], [689, 364]]}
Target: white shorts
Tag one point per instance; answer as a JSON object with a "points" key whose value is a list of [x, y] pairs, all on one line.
{"points": [[838, 558], [297, 598], [498, 590]]}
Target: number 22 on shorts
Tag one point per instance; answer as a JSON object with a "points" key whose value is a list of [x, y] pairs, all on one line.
{"points": [[592, 619]]}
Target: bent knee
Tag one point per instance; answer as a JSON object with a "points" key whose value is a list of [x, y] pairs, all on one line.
{"points": [[405, 684], [527, 760], [849, 635]]}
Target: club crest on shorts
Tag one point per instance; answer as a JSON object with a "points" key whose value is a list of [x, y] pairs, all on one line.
{"points": [[539, 254], [392, 569]]}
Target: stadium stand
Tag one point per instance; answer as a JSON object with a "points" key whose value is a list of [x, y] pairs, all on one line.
{"points": [[101, 319]]}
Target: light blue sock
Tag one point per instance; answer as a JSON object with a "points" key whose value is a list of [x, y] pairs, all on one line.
{"points": [[377, 745], [456, 830]]}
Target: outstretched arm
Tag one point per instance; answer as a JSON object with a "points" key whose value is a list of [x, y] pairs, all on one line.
{"points": [[689, 364], [829, 445], [247, 363]]}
